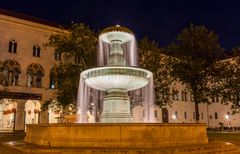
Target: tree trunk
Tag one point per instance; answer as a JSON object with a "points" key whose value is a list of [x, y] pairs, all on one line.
{"points": [[197, 111], [196, 100]]}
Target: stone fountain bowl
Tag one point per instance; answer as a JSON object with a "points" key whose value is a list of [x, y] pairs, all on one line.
{"points": [[116, 78]]}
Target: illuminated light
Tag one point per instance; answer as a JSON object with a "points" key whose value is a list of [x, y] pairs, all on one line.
{"points": [[174, 116], [52, 86], [227, 117], [117, 25]]}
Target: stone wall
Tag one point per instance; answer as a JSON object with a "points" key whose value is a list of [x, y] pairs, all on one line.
{"points": [[116, 135]]}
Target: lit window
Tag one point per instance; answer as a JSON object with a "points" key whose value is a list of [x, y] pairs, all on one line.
{"points": [[54, 82]]}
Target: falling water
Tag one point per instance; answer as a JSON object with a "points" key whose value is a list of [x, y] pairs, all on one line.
{"points": [[90, 100], [133, 53], [100, 53]]}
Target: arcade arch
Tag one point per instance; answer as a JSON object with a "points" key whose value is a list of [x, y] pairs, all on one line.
{"points": [[32, 112]]}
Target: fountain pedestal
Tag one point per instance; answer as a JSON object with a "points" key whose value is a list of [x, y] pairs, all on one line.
{"points": [[116, 108]]}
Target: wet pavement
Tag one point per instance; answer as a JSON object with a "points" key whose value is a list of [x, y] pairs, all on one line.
{"points": [[6, 137]]}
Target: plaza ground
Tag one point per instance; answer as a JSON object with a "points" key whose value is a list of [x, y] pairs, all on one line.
{"points": [[6, 137], [231, 137]]}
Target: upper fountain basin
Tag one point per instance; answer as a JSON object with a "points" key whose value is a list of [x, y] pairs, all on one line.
{"points": [[116, 33], [116, 78]]}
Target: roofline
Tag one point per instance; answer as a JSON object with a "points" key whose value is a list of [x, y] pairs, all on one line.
{"points": [[31, 18]]}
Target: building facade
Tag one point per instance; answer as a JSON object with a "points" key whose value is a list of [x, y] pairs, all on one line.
{"points": [[28, 81], [27, 66]]}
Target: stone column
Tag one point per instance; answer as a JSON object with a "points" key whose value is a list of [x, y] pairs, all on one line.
{"points": [[44, 116], [20, 116]]}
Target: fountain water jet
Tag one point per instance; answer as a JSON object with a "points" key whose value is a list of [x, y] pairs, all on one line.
{"points": [[116, 75]]}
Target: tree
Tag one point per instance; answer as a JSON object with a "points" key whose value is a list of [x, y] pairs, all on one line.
{"points": [[194, 52], [228, 84], [78, 45], [151, 58]]}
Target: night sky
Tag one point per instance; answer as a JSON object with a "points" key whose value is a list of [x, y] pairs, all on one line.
{"points": [[160, 20]]}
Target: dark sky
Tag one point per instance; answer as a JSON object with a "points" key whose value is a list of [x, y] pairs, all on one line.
{"points": [[160, 20]]}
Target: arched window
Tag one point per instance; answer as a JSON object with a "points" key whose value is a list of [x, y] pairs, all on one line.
{"points": [[52, 80], [54, 83], [6, 75], [35, 73], [38, 82], [11, 72], [30, 78], [36, 51], [15, 76], [12, 46]]}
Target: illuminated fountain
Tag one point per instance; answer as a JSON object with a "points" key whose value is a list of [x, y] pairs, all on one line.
{"points": [[116, 75], [106, 99]]}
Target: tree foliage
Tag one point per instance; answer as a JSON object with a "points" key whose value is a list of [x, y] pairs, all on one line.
{"points": [[195, 52], [228, 83], [150, 58], [78, 45]]}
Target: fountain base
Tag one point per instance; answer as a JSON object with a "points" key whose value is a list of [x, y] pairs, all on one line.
{"points": [[128, 135], [116, 108]]}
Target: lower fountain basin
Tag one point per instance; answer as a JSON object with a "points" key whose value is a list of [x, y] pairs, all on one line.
{"points": [[116, 78], [116, 135]]}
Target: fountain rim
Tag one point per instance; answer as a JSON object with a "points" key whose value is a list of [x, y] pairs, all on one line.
{"points": [[122, 36], [98, 75], [116, 28], [149, 73]]}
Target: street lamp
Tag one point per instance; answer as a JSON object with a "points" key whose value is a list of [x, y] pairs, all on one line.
{"points": [[227, 119], [174, 117]]}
